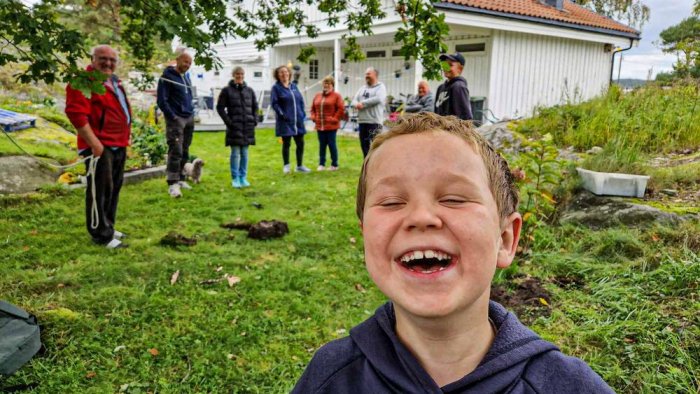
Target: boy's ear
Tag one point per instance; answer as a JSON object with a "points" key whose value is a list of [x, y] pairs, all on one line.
{"points": [[510, 234]]}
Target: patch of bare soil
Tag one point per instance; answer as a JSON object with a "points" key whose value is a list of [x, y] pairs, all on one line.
{"points": [[526, 296], [265, 229], [176, 239]]}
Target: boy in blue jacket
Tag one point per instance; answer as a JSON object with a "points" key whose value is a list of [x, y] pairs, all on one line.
{"points": [[438, 212]]}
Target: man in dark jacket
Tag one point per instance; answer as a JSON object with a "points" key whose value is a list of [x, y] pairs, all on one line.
{"points": [[238, 107], [103, 122], [175, 100], [453, 94]]}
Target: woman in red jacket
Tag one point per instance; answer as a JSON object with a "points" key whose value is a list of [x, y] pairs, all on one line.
{"points": [[327, 110]]}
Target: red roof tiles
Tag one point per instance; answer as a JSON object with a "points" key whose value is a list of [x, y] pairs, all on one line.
{"points": [[572, 13]]}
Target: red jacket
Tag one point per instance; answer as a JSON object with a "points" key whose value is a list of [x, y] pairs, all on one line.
{"points": [[327, 110], [104, 113]]}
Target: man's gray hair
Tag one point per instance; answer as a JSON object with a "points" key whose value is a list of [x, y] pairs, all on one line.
{"points": [[370, 68], [237, 69], [96, 48]]}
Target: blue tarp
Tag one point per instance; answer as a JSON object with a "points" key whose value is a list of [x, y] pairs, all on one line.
{"points": [[12, 121]]}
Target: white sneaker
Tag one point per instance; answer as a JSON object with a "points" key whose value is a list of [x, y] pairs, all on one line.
{"points": [[119, 235], [303, 169], [321, 168], [115, 244], [184, 185], [286, 169], [174, 190]]}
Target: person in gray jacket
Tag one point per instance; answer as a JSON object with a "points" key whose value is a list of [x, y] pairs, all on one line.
{"points": [[423, 102], [369, 102]]}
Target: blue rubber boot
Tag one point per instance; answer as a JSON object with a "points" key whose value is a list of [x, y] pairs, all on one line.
{"points": [[236, 183], [244, 182]]}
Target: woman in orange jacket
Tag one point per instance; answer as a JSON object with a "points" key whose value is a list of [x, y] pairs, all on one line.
{"points": [[327, 110]]}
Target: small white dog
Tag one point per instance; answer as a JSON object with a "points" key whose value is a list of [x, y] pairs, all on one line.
{"points": [[194, 170]]}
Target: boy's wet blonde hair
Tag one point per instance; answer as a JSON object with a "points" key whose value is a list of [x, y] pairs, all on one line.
{"points": [[500, 178]]}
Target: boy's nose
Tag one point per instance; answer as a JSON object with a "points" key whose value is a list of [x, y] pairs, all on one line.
{"points": [[423, 217]]}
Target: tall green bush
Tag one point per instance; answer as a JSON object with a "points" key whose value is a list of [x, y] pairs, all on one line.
{"points": [[652, 118]]}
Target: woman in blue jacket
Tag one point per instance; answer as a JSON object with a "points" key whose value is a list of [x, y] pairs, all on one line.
{"points": [[288, 105]]}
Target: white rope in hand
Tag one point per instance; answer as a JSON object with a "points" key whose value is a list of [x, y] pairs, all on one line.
{"points": [[94, 212]]}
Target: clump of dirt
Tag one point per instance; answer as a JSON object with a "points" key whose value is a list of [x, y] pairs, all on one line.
{"points": [[176, 239], [528, 298], [268, 229], [265, 229], [238, 224]]}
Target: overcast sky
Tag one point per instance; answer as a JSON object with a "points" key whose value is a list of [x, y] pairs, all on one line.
{"points": [[638, 61]]}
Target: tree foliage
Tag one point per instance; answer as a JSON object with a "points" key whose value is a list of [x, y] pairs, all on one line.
{"points": [[53, 35], [198, 25], [633, 12], [684, 40]]}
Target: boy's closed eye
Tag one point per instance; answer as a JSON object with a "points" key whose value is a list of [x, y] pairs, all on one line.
{"points": [[453, 200], [391, 202]]}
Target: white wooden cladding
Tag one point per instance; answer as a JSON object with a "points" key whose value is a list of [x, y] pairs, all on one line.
{"points": [[531, 70]]}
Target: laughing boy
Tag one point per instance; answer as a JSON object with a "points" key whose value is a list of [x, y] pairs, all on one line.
{"points": [[438, 212]]}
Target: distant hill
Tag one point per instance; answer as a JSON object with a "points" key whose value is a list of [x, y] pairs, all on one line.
{"points": [[631, 83]]}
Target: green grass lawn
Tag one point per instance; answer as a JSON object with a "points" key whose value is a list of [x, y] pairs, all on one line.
{"points": [[112, 321]]}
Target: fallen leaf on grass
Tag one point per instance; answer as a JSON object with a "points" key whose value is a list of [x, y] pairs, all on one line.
{"points": [[210, 281], [218, 269], [655, 238], [118, 348], [230, 356], [232, 280], [60, 285], [353, 240], [629, 340], [359, 288], [154, 352], [173, 278], [544, 302], [91, 374]]}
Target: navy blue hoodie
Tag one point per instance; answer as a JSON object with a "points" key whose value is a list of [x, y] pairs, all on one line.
{"points": [[373, 360], [452, 98], [174, 99]]}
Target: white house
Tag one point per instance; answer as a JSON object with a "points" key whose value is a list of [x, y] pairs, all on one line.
{"points": [[520, 54]]}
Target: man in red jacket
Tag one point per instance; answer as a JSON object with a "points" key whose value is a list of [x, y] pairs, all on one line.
{"points": [[103, 122]]}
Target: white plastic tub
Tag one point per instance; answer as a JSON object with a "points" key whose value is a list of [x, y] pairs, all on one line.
{"points": [[613, 184]]}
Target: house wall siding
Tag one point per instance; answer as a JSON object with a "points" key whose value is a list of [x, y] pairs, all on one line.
{"points": [[529, 70]]}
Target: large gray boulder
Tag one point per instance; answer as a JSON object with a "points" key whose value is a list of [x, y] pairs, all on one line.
{"points": [[23, 174], [601, 212], [500, 137]]}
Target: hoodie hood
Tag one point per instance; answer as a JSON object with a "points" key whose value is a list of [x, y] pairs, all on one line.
{"points": [[456, 81], [513, 346]]}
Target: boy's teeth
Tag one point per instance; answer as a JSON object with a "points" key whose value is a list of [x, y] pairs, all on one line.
{"points": [[420, 254]]}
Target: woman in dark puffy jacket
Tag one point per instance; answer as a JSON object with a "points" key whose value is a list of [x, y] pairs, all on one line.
{"points": [[327, 111], [288, 104], [238, 107]]}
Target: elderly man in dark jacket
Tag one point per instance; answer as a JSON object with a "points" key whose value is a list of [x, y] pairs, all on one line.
{"points": [[175, 100], [238, 107], [452, 96]]}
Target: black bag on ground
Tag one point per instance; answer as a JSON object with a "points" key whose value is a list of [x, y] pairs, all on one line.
{"points": [[19, 337]]}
